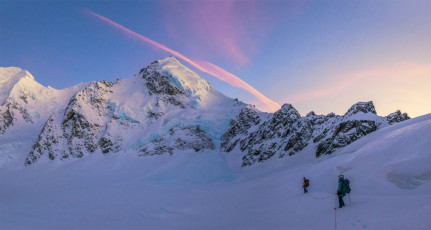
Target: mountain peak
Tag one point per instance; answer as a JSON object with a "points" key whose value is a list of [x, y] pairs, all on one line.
{"points": [[397, 116], [170, 60], [9, 77], [12, 73], [170, 72], [365, 107], [287, 111], [288, 108], [310, 114]]}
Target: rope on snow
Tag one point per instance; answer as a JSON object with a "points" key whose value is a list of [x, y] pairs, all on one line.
{"points": [[320, 198]]}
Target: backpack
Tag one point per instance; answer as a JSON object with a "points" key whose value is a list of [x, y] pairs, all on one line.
{"points": [[345, 187]]}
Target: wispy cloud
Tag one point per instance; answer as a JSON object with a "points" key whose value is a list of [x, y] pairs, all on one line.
{"points": [[228, 28], [203, 66], [267, 104]]}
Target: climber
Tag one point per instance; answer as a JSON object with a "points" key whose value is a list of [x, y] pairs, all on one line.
{"points": [[343, 189], [305, 184]]}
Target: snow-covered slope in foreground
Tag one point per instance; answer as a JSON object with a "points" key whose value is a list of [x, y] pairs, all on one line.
{"points": [[389, 171]]}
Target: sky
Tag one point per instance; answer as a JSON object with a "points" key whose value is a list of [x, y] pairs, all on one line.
{"points": [[320, 56]]}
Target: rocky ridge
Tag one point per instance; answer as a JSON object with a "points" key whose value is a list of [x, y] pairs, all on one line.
{"points": [[286, 133], [151, 113], [164, 108]]}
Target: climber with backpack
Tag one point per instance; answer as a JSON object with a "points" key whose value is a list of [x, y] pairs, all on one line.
{"points": [[343, 189], [305, 184]]}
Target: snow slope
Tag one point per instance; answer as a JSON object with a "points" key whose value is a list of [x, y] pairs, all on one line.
{"points": [[188, 81], [19, 85], [389, 171], [165, 107], [24, 103], [9, 77]]}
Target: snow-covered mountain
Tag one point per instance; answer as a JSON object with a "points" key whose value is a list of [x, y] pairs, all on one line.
{"points": [[25, 102], [165, 150], [165, 107], [261, 136], [388, 170]]}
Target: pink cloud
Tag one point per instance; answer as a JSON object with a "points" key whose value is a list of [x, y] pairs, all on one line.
{"points": [[227, 28], [203, 66], [268, 104]]}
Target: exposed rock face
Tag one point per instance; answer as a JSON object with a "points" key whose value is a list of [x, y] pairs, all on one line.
{"points": [[179, 139], [285, 132], [46, 143], [344, 134], [397, 117], [158, 83], [6, 120], [365, 107], [247, 118], [175, 84], [10, 112], [155, 112], [82, 126], [263, 143], [26, 103]]}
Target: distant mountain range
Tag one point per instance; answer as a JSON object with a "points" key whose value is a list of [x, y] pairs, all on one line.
{"points": [[164, 108]]}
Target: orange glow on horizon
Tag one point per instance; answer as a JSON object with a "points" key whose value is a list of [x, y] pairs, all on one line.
{"points": [[405, 83]]}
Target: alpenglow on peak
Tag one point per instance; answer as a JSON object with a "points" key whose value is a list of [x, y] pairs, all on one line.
{"points": [[181, 76]]}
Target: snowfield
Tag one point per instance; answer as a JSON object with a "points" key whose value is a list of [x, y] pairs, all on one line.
{"points": [[150, 152], [389, 171]]}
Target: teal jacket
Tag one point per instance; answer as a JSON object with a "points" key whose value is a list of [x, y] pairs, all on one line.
{"points": [[340, 184]]}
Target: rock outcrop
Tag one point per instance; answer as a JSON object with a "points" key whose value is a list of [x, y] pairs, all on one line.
{"points": [[11, 112], [193, 138], [286, 133], [397, 117]]}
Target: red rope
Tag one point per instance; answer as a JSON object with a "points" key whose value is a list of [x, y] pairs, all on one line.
{"points": [[321, 198], [335, 211], [335, 201]]}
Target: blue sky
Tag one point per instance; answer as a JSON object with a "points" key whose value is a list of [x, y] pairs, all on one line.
{"points": [[317, 55]]}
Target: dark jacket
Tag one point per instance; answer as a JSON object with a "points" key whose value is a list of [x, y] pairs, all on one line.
{"points": [[340, 186], [306, 183]]}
